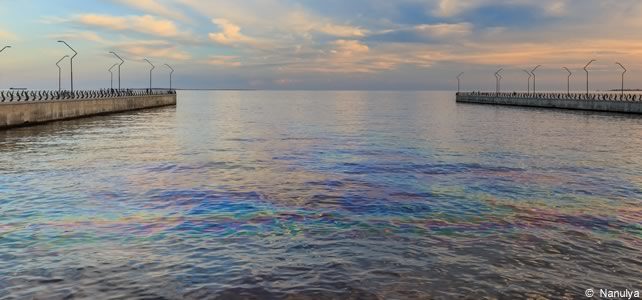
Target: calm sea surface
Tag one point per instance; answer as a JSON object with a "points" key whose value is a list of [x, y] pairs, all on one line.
{"points": [[314, 195]]}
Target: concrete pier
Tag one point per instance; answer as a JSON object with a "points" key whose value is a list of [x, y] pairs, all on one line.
{"points": [[627, 103], [21, 113]]}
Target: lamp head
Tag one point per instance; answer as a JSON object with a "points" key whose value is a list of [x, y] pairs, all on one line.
{"points": [[590, 62]]}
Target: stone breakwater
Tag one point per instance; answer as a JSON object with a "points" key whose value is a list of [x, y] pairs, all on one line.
{"points": [[627, 103], [20, 108]]}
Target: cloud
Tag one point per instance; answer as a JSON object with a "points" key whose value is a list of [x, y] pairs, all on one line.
{"points": [[143, 24], [452, 8], [6, 35], [425, 33], [349, 48], [444, 30], [53, 20], [154, 7], [304, 23], [449, 8], [354, 57], [273, 16], [230, 34], [557, 8], [80, 35], [114, 23], [152, 49], [559, 54], [224, 61], [341, 30], [288, 39]]}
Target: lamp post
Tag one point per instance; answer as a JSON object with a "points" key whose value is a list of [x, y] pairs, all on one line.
{"points": [[5, 47], [617, 63], [587, 75], [496, 83], [528, 89], [72, 63], [533, 72], [60, 72], [112, 76], [150, 74], [568, 80], [170, 75], [121, 63], [459, 81], [498, 79]]}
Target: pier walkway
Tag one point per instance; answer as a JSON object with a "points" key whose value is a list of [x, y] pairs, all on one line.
{"points": [[607, 102], [26, 107]]}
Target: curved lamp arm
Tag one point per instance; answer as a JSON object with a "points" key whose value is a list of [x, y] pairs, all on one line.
{"points": [[122, 61], [619, 64], [589, 63], [150, 63], [72, 49], [58, 63], [169, 67]]}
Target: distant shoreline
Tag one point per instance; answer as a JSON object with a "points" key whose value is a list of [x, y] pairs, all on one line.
{"points": [[216, 89]]}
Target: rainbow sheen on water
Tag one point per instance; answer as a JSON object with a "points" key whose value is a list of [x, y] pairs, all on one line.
{"points": [[314, 195]]}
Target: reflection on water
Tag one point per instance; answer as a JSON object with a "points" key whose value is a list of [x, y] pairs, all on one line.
{"points": [[306, 195]]}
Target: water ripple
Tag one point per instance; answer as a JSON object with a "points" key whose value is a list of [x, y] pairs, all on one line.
{"points": [[343, 195]]}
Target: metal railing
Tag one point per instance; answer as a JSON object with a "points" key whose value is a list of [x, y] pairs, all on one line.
{"points": [[562, 96], [35, 95]]}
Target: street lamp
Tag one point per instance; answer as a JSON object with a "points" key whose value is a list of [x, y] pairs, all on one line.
{"points": [[496, 83], [60, 72], [533, 72], [112, 76], [459, 81], [170, 75], [587, 75], [528, 90], [150, 74], [5, 47], [121, 63], [498, 78], [568, 80], [72, 63], [617, 63]]}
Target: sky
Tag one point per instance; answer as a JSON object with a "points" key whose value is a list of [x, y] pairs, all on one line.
{"points": [[328, 44]]}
